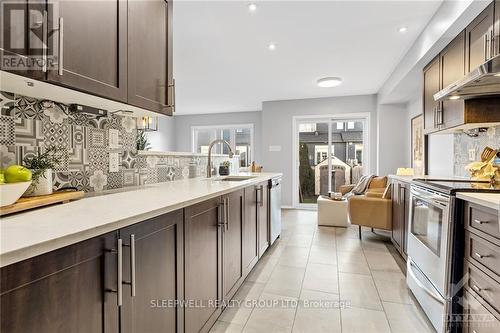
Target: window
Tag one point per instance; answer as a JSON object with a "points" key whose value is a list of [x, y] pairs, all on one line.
{"points": [[340, 125], [350, 125], [321, 153], [307, 128], [240, 137]]}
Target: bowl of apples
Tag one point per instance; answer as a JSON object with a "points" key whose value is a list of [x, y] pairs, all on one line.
{"points": [[14, 181]]}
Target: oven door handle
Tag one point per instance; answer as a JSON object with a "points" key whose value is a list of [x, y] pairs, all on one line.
{"points": [[421, 285], [435, 199]]}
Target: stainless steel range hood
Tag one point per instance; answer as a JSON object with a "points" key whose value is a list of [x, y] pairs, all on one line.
{"points": [[483, 81]]}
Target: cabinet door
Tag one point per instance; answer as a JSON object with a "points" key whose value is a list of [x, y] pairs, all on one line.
{"points": [[24, 23], [397, 222], [250, 230], [478, 39], [231, 246], [496, 29], [150, 54], [90, 43], [202, 264], [152, 265], [431, 86], [452, 70], [263, 217], [66, 290]]}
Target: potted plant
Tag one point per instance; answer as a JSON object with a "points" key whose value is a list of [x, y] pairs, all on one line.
{"points": [[41, 166], [224, 168], [142, 141]]}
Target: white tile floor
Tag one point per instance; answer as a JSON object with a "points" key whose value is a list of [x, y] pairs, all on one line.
{"points": [[297, 285]]}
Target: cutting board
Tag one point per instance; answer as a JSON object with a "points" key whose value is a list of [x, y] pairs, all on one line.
{"points": [[39, 201]]}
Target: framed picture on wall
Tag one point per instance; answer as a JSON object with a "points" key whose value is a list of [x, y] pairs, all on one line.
{"points": [[418, 146]]}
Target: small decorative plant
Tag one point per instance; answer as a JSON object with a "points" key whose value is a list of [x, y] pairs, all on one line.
{"points": [[142, 141], [41, 166], [224, 168]]}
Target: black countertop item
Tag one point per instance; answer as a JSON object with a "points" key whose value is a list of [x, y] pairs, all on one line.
{"points": [[452, 186]]}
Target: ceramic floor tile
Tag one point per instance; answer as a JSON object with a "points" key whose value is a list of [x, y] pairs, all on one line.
{"points": [[301, 240], [237, 313], [381, 261], [359, 290], [271, 319], [321, 277], [294, 256], [406, 318], [349, 245], [392, 287], [249, 291], [352, 262], [285, 281], [356, 320], [262, 271], [323, 255], [223, 327], [317, 320], [324, 237]]}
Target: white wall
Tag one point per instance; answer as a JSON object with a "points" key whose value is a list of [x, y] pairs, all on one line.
{"points": [[183, 125], [277, 123], [392, 134], [164, 139]]}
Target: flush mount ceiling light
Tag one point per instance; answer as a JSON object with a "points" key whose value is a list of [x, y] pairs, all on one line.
{"points": [[329, 82], [454, 97], [252, 7], [271, 46], [403, 29]]}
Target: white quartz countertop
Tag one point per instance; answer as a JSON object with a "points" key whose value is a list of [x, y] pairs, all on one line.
{"points": [[38, 231], [491, 200]]}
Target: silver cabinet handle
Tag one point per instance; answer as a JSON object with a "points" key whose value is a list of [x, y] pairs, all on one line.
{"points": [[226, 215], [480, 222], [171, 95], [221, 212], [45, 35], [480, 256], [120, 272], [421, 285], [492, 44], [478, 289], [132, 264], [485, 41], [61, 46]]}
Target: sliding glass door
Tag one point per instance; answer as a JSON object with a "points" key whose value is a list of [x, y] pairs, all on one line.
{"points": [[329, 154]]}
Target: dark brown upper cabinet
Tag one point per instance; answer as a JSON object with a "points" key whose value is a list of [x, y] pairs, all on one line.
{"points": [[72, 289], [89, 43], [153, 271], [480, 36], [22, 38], [431, 86], [452, 62], [150, 82]]}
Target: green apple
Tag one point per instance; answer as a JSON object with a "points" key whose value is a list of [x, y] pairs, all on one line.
{"points": [[16, 174]]}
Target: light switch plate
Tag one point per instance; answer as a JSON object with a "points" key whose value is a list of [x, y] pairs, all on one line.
{"points": [[114, 162], [113, 135], [472, 154]]}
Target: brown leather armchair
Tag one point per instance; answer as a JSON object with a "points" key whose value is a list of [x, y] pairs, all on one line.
{"points": [[374, 208]]}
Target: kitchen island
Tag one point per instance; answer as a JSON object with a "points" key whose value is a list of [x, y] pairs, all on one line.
{"points": [[164, 257]]}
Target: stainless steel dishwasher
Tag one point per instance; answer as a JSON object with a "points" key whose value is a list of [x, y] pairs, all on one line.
{"points": [[275, 207]]}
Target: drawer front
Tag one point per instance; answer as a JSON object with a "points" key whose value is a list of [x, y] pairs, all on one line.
{"points": [[483, 219], [483, 252], [486, 288], [477, 318]]}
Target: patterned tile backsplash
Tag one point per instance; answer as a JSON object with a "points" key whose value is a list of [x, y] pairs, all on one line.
{"points": [[463, 143], [29, 125]]}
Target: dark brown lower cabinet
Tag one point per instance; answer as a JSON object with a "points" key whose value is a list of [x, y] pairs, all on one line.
{"points": [[231, 246], [250, 246], [153, 275], [203, 264], [65, 290], [400, 215], [263, 217]]}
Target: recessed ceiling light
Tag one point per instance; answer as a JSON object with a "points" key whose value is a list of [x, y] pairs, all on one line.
{"points": [[271, 46], [403, 29], [329, 82], [252, 7], [454, 97]]}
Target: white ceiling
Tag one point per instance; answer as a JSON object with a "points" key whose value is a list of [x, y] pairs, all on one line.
{"points": [[222, 64]]}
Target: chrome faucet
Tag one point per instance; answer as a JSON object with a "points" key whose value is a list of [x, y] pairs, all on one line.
{"points": [[209, 165]]}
